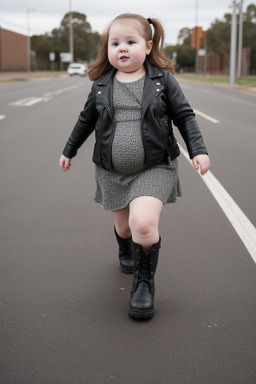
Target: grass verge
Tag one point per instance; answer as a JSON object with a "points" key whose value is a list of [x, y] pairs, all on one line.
{"points": [[249, 81]]}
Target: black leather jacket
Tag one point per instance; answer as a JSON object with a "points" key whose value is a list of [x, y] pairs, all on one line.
{"points": [[163, 102]]}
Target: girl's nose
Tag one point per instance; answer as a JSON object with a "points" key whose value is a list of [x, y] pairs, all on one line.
{"points": [[123, 48]]}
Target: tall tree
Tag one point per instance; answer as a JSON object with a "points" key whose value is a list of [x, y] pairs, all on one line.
{"points": [[218, 35], [86, 42], [184, 36], [249, 26], [183, 53]]}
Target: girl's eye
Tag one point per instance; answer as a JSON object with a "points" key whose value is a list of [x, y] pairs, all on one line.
{"points": [[115, 44], [131, 42]]}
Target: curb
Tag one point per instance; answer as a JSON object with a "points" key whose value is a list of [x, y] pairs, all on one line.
{"points": [[6, 77]]}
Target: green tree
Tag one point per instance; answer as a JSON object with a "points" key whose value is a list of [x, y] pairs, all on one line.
{"points": [[186, 56], [218, 35], [218, 38], [86, 42], [42, 44], [249, 26], [183, 53], [184, 36]]}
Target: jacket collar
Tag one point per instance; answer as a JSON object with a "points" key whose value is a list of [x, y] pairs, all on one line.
{"points": [[151, 87], [151, 71], [104, 79]]}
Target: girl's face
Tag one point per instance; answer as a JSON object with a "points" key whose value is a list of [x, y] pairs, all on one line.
{"points": [[127, 48]]}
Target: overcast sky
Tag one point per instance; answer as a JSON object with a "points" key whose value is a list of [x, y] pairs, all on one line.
{"points": [[45, 15]]}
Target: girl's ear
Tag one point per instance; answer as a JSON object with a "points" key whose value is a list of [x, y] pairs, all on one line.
{"points": [[149, 45]]}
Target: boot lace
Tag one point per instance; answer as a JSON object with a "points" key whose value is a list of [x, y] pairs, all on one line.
{"points": [[144, 269]]}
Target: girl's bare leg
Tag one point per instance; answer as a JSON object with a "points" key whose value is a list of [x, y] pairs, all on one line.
{"points": [[144, 220], [124, 240], [121, 217]]}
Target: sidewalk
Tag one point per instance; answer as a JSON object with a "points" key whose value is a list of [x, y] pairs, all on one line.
{"points": [[24, 76], [250, 88]]}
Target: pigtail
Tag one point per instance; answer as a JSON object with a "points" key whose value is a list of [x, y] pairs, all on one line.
{"points": [[156, 56], [101, 65]]}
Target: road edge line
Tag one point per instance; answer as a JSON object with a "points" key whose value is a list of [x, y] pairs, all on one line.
{"points": [[240, 222]]}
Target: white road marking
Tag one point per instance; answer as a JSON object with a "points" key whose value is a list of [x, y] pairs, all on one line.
{"points": [[63, 90], [207, 117], [2, 117], [29, 101], [242, 225]]}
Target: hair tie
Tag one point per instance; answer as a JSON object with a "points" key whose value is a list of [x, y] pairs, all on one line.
{"points": [[149, 20]]}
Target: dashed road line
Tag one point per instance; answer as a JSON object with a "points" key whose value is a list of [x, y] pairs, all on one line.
{"points": [[29, 101], [240, 222], [2, 117]]}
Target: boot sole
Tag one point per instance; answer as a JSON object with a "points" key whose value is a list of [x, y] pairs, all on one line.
{"points": [[141, 313]]}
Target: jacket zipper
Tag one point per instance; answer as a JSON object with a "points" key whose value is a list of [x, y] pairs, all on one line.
{"points": [[111, 145], [164, 136], [143, 142], [98, 137], [112, 136]]}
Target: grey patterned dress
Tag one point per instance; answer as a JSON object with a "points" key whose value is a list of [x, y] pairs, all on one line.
{"points": [[130, 178]]}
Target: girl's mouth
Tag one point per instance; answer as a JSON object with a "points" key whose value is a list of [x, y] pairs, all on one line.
{"points": [[123, 57]]}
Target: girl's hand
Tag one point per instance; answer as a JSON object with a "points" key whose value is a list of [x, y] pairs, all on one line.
{"points": [[65, 163], [202, 162]]}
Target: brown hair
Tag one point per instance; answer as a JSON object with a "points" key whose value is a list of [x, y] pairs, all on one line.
{"points": [[156, 57]]}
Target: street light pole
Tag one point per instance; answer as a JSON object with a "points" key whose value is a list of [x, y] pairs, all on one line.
{"points": [[28, 38], [232, 74], [196, 63], [71, 43], [240, 40]]}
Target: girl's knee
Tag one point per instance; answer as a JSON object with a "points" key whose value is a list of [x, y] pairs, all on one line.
{"points": [[142, 225]]}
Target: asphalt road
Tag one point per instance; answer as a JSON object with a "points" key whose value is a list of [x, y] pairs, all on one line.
{"points": [[64, 300]]}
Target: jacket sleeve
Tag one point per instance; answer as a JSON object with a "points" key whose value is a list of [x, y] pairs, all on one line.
{"points": [[83, 128], [183, 117]]}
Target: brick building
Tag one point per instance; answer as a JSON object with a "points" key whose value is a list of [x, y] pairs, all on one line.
{"points": [[13, 51]]}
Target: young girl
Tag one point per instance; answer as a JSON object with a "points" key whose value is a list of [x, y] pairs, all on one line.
{"points": [[133, 101]]}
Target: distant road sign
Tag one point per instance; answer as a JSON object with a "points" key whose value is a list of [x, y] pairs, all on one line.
{"points": [[201, 52], [66, 57]]}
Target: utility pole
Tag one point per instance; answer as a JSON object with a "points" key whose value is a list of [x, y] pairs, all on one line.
{"points": [[232, 74], [196, 63], [205, 53], [71, 43], [28, 39], [240, 40]]}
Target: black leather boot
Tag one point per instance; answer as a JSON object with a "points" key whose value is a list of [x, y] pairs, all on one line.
{"points": [[125, 253], [143, 287]]}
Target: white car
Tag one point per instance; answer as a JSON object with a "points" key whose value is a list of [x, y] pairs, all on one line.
{"points": [[76, 69]]}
